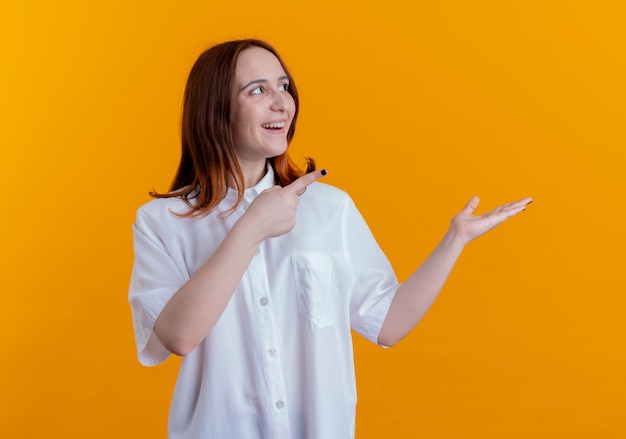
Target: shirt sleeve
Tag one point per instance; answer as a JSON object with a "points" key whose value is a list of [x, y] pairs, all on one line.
{"points": [[373, 282], [154, 280]]}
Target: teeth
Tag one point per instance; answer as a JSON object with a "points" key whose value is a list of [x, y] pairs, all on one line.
{"points": [[274, 125]]}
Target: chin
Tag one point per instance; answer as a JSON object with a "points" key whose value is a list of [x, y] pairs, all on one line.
{"points": [[275, 152]]}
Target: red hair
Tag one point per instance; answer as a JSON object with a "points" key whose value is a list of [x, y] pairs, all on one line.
{"points": [[208, 156]]}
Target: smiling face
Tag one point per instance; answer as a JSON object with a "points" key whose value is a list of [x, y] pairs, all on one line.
{"points": [[262, 110]]}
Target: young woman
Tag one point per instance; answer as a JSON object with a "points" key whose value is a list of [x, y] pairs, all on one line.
{"points": [[256, 273]]}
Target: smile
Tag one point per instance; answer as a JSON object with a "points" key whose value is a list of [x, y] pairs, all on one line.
{"points": [[274, 125]]}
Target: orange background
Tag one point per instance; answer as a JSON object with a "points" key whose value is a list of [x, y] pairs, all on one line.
{"points": [[412, 109]]}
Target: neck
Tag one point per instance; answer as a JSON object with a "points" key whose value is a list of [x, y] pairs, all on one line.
{"points": [[252, 173]]}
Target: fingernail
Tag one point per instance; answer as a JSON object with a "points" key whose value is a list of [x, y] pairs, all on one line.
{"points": [[323, 171]]}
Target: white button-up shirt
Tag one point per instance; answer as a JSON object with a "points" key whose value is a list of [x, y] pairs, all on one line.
{"points": [[279, 361]]}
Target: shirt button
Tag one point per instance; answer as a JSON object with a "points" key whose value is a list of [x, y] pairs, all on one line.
{"points": [[264, 301], [271, 352], [279, 404]]}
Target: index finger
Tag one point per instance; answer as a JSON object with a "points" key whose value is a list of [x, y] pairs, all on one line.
{"points": [[298, 186]]}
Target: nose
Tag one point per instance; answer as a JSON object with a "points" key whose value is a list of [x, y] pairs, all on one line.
{"points": [[281, 100]]}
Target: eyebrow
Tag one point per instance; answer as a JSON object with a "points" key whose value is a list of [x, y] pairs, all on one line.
{"points": [[262, 81]]}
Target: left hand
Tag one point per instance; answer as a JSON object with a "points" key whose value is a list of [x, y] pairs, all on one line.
{"points": [[468, 226]]}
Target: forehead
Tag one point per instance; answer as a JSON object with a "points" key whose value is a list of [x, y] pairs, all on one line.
{"points": [[257, 63]]}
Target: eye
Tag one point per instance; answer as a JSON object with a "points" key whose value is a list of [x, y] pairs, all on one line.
{"points": [[284, 87], [256, 91]]}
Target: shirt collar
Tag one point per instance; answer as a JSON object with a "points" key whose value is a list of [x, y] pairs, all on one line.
{"points": [[265, 183], [251, 193]]}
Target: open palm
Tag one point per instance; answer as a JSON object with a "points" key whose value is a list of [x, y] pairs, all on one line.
{"points": [[469, 226]]}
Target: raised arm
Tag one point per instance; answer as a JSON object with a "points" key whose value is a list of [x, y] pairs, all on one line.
{"points": [[194, 309], [417, 294]]}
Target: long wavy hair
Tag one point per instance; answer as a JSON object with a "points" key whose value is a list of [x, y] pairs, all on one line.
{"points": [[208, 155]]}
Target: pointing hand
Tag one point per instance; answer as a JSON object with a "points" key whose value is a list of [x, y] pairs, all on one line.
{"points": [[273, 212]]}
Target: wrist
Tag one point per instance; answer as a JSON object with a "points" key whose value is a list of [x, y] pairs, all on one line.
{"points": [[247, 231], [452, 238]]}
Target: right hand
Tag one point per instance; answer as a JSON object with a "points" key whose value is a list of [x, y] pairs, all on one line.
{"points": [[273, 212]]}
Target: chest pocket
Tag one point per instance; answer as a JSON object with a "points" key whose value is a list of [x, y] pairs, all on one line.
{"points": [[312, 272]]}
